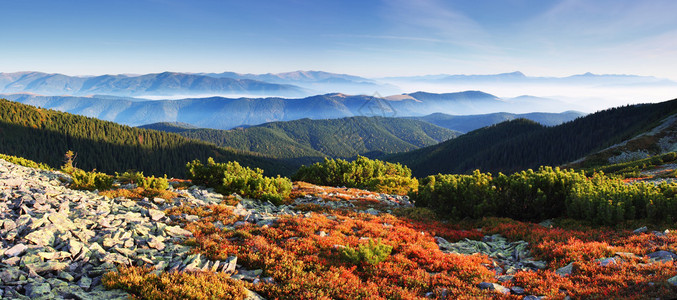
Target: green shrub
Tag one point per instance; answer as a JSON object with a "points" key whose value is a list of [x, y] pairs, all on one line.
{"points": [[25, 162], [83, 180], [363, 173], [371, 253], [159, 183], [458, 196], [228, 178]]}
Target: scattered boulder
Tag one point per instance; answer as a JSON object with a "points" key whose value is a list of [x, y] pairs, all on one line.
{"points": [[494, 287], [642, 229], [16, 250], [566, 270], [662, 256]]}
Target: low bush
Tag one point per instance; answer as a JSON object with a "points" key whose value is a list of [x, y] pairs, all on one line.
{"points": [[159, 183], [371, 253], [83, 180], [141, 283], [25, 162], [231, 177], [363, 173]]}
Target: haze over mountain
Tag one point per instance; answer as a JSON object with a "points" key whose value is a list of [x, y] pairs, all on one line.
{"points": [[585, 92], [319, 82], [226, 113]]}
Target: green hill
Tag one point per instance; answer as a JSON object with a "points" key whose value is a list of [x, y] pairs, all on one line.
{"points": [[308, 140], [45, 135], [521, 144]]}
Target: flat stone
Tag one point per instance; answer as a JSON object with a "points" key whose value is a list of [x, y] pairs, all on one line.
{"points": [[115, 258], [74, 247], [44, 237], [156, 243], [61, 221], [54, 255], [16, 250], [156, 215], [47, 266], [177, 231]]}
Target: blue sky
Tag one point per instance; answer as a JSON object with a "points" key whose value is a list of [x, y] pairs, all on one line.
{"points": [[368, 38]]}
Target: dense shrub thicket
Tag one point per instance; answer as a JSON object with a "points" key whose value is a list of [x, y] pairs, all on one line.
{"points": [[231, 177], [364, 173], [547, 193]]}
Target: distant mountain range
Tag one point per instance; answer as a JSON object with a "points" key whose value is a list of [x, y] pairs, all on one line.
{"points": [[319, 82], [290, 84], [305, 140], [227, 113], [519, 77], [160, 84]]}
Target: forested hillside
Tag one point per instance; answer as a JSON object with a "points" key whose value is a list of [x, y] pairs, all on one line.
{"points": [[469, 123], [521, 144], [45, 136], [308, 140]]}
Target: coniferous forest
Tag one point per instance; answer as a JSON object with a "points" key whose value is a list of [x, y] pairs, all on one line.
{"points": [[45, 136]]}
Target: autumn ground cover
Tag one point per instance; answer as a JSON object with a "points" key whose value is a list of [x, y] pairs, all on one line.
{"points": [[395, 256]]}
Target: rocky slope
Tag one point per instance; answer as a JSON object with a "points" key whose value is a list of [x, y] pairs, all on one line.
{"points": [[58, 243]]}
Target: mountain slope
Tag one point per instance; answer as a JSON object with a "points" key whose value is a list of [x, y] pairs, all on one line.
{"points": [[471, 122], [520, 144], [309, 140], [45, 135]]}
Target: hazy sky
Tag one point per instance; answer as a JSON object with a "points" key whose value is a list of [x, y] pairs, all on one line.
{"points": [[368, 38]]}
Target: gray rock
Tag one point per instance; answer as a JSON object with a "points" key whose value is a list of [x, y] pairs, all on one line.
{"points": [[16, 250], [673, 281], [44, 237], [642, 229], [156, 215], [65, 276], [517, 290], [566, 270], [229, 265], [606, 261], [36, 290], [177, 231], [662, 256], [494, 287], [85, 282], [10, 274]]}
